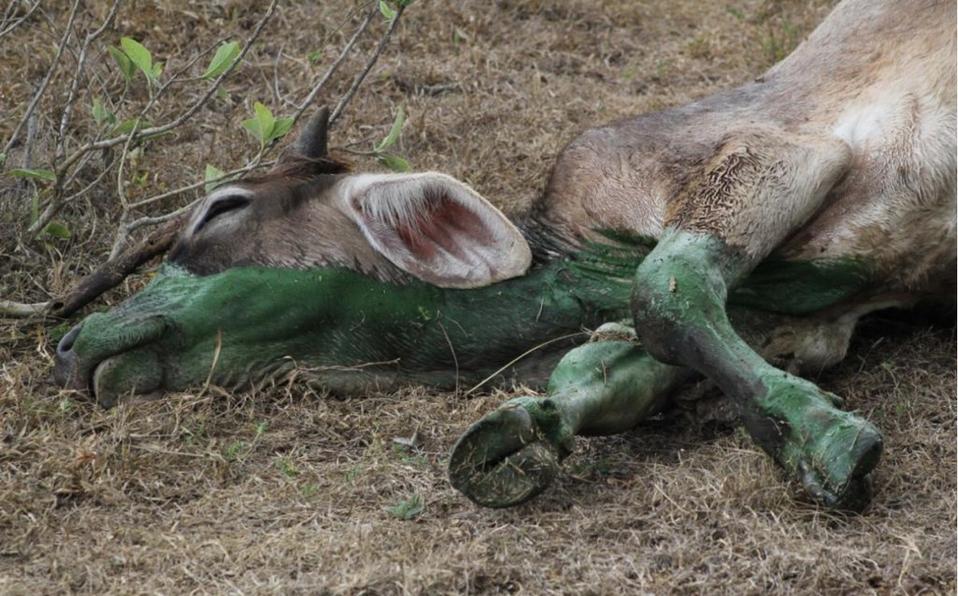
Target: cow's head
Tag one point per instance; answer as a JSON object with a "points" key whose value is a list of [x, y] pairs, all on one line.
{"points": [[287, 265]]}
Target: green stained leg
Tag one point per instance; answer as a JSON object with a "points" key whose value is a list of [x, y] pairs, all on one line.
{"points": [[679, 307], [600, 388]]}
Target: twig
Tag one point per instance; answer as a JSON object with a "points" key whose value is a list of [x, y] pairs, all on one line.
{"points": [[335, 65], [179, 120], [75, 87], [46, 79], [122, 263], [520, 357], [368, 66], [254, 163], [21, 20], [28, 143], [115, 270], [53, 207], [176, 191], [8, 308]]}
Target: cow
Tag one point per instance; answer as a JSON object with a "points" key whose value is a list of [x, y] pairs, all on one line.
{"points": [[747, 229]]}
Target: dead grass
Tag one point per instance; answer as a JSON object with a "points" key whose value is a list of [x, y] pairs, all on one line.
{"points": [[284, 491]]}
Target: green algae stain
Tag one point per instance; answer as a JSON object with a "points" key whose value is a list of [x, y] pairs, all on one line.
{"points": [[801, 287], [777, 284], [257, 318]]}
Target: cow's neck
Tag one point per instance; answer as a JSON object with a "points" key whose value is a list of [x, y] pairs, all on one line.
{"points": [[417, 333]]}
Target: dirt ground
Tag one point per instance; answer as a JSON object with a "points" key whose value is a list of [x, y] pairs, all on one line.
{"points": [[287, 491]]}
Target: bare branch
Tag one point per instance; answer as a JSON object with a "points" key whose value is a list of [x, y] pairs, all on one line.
{"points": [[67, 165], [185, 116], [46, 79], [115, 270], [177, 191], [8, 308], [123, 262], [368, 66], [335, 65], [21, 20], [75, 87]]}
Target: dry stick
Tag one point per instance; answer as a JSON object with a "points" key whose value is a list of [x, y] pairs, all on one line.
{"points": [[75, 87], [137, 133], [368, 66], [122, 235], [334, 66], [58, 200], [9, 308], [156, 220], [46, 79], [146, 221], [10, 10], [179, 120], [115, 270], [195, 185]]}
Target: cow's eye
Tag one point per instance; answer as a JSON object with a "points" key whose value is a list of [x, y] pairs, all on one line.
{"points": [[221, 205]]}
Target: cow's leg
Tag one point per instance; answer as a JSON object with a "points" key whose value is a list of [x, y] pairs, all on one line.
{"points": [[601, 388], [751, 195]]}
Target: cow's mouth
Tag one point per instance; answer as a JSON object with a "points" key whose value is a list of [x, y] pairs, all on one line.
{"points": [[132, 369]]}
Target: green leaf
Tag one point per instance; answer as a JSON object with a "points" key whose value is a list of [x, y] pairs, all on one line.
{"points": [[407, 508], [393, 135], [281, 127], [126, 67], [387, 10], [315, 56], [262, 125], [102, 114], [222, 93], [214, 177], [224, 57], [127, 126], [393, 162], [57, 230], [31, 173], [139, 56]]}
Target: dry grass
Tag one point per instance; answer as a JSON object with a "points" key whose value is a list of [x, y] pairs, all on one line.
{"points": [[285, 491]]}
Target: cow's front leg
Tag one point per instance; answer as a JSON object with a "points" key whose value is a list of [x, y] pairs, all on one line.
{"points": [[679, 307], [601, 388]]}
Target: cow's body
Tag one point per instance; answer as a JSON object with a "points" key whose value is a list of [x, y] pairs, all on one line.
{"points": [[819, 192], [891, 103]]}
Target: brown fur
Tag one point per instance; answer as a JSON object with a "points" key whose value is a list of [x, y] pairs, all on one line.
{"points": [[870, 78]]}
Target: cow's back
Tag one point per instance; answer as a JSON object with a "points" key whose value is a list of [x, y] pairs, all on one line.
{"points": [[879, 76]]}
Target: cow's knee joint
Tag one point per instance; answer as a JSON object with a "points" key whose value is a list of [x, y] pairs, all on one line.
{"points": [[679, 290]]}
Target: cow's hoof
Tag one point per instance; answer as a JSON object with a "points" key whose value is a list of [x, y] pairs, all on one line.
{"points": [[509, 456], [832, 452], [835, 468]]}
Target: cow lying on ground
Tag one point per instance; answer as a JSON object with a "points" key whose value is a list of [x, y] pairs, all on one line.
{"points": [[760, 222]]}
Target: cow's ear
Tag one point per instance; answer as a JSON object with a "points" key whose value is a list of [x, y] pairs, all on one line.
{"points": [[436, 228]]}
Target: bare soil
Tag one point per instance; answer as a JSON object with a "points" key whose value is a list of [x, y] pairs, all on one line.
{"points": [[287, 491]]}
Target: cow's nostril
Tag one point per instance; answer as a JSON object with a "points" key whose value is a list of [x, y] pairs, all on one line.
{"points": [[66, 342]]}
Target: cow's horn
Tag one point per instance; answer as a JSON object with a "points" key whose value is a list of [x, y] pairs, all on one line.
{"points": [[311, 142]]}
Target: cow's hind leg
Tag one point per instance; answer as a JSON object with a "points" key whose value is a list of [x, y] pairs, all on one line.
{"points": [[679, 306], [759, 186], [601, 388]]}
